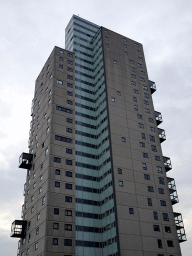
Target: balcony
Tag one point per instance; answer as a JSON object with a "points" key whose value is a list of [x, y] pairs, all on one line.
{"points": [[172, 191], [152, 86], [180, 227], [162, 135], [158, 117], [25, 160], [167, 163], [18, 228]]}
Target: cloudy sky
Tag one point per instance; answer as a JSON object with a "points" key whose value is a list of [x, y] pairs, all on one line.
{"points": [[29, 31]]}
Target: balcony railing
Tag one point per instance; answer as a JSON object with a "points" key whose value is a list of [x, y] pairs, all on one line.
{"points": [[172, 190], [162, 135], [158, 117], [152, 86], [167, 163], [25, 160], [180, 227], [18, 228]]}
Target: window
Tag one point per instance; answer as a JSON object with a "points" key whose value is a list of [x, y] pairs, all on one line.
{"points": [[142, 144], [149, 201], [36, 246], [106, 31], [120, 183], [163, 203], [68, 199], [112, 99], [145, 88], [139, 52], [159, 169], [125, 46], [34, 185], [167, 229], [59, 82], [159, 242], [119, 170], [57, 184], [139, 65], [68, 212], [47, 131], [37, 231], [69, 151], [69, 85], [40, 190], [68, 162], [146, 95], [69, 77], [106, 38], [69, 130], [61, 51], [141, 125], [55, 241], [56, 211], [156, 228], [165, 216], [139, 116], [57, 159], [114, 61], [69, 54], [68, 186], [70, 102], [29, 225], [145, 155], [161, 181], [153, 148], [28, 191], [125, 39], [136, 91], [68, 242], [157, 158], [132, 75], [60, 58], [118, 93], [142, 73], [150, 189], [133, 83], [125, 53], [151, 120], [69, 174], [123, 139], [55, 225], [134, 99], [38, 216], [60, 66], [69, 93], [170, 243], [147, 176], [143, 136], [32, 209], [69, 120], [147, 110], [136, 44], [144, 166], [136, 107], [152, 129], [43, 200], [41, 177], [152, 138], [27, 251], [107, 45], [133, 69], [68, 227], [161, 190], [70, 69], [155, 215], [131, 211], [57, 171], [146, 102], [131, 61]]}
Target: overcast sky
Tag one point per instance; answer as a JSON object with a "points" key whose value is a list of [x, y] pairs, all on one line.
{"points": [[29, 31]]}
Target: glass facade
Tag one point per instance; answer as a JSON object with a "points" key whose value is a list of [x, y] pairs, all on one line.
{"points": [[95, 209]]}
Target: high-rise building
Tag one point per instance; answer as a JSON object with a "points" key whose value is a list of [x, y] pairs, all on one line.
{"points": [[96, 176]]}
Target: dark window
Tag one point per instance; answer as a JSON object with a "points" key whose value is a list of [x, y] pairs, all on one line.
{"points": [[140, 59], [141, 125], [151, 120], [68, 227], [69, 120], [131, 211], [68, 212], [119, 170], [55, 241], [152, 138], [69, 151], [142, 79], [147, 176], [139, 116], [159, 169], [163, 203], [149, 201], [161, 181], [144, 166], [167, 229], [55, 225], [118, 93], [139, 52], [70, 102], [161, 190], [136, 91], [145, 88], [68, 199], [156, 228], [68, 186], [146, 102], [69, 54], [56, 211], [142, 144], [155, 215], [152, 129], [133, 83], [146, 95], [133, 69], [142, 72], [139, 65], [136, 107], [157, 158], [150, 189], [57, 159], [57, 171], [69, 77], [165, 216], [134, 99], [60, 58], [69, 62], [61, 66], [123, 139], [153, 148], [159, 242], [131, 61], [147, 110], [170, 243], [145, 155], [143, 136], [69, 69], [57, 184], [107, 45], [68, 242], [69, 93], [69, 174], [69, 85], [69, 130], [68, 162], [162, 255]]}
